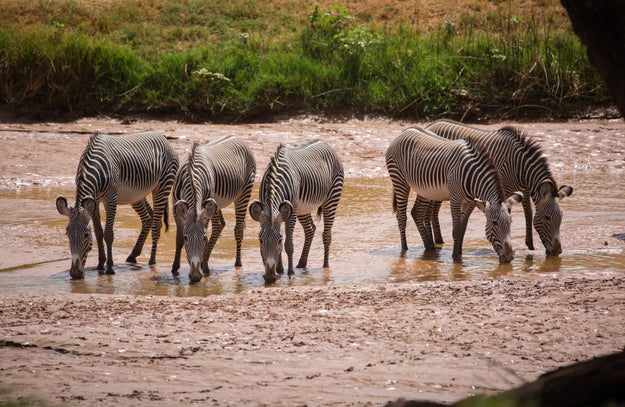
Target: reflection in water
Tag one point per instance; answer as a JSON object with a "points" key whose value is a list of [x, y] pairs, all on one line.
{"points": [[365, 248]]}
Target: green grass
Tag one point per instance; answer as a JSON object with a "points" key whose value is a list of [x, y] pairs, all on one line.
{"points": [[239, 61]]}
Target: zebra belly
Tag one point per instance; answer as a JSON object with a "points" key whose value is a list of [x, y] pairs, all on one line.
{"points": [[433, 193], [127, 194], [222, 201], [307, 207]]}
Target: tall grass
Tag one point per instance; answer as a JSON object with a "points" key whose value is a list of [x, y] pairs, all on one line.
{"points": [[328, 63]]}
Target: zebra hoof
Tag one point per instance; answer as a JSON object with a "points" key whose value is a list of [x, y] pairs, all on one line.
{"points": [[110, 272], [131, 259]]}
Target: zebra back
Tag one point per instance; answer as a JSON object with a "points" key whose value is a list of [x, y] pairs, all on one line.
{"points": [[520, 160], [220, 170], [429, 163], [306, 176], [138, 161]]}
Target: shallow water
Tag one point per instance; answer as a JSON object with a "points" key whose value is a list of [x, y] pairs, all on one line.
{"points": [[365, 246]]}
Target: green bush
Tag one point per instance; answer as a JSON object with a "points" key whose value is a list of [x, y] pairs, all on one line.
{"points": [[80, 63]]}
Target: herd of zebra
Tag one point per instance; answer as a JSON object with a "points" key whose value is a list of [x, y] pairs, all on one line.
{"points": [[446, 161]]}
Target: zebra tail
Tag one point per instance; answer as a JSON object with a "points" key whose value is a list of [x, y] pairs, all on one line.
{"points": [[166, 216], [319, 212]]}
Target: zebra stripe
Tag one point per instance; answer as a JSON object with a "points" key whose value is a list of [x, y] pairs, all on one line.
{"points": [[214, 176], [523, 167], [440, 170], [119, 170], [297, 182]]}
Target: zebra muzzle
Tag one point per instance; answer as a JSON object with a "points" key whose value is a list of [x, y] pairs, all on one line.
{"points": [[556, 249], [195, 272], [76, 271], [507, 253]]}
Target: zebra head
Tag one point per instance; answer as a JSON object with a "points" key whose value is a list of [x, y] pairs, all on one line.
{"points": [[195, 223], [270, 236], [498, 222], [78, 232], [548, 216]]}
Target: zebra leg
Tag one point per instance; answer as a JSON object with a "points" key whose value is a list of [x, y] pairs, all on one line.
{"points": [[109, 235], [99, 237], [240, 211], [460, 217], [420, 213], [218, 224], [179, 243], [329, 213], [160, 199], [309, 232], [401, 191], [144, 211], [435, 208], [289, 227], [527, 210]]}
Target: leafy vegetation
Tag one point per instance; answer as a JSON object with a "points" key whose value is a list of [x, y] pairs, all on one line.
{"points": [[248, 60]]}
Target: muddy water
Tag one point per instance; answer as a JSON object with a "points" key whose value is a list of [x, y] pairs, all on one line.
{"points": [[365, 246]]}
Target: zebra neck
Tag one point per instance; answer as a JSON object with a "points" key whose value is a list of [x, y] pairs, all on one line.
{"points": [[536, 174], [278, 184], [480, 179]]}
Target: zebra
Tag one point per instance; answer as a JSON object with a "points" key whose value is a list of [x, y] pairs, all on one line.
{"points": [[118, 170], [439, 170], [297, 182], [215, 175], [522, 166]]}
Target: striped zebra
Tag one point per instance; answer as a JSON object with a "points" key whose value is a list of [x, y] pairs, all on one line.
{"points": [[522, 167], [118, 170], [440, 170], [297, 182], [215, 175]]}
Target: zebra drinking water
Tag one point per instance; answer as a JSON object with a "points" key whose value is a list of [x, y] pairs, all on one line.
{"points": [[440, 170], [522, 167], [215, 175], [297, 182], [118, 170]]}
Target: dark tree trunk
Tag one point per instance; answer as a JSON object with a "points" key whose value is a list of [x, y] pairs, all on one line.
{"points": [[600, 24]]}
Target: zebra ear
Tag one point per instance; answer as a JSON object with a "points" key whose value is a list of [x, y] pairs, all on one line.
{"points": [[256, 211], [89, 207], [209, 207], [564, 191], [286, 209], [481, 205], [180, 209], [546, 190], [61, 206]]}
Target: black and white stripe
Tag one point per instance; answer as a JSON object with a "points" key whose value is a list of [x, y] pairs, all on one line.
{"points": [[439, 170], [215, 175], [119, 170], [522, 166], [297, 182]]}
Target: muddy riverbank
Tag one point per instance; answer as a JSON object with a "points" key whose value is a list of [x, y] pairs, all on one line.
{"points": [[422, 328]]}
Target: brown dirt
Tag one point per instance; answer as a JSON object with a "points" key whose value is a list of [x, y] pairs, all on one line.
{"points": [[351, 345]]}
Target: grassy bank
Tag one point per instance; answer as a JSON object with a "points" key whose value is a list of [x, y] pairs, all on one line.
{"points": [[250, 60]]}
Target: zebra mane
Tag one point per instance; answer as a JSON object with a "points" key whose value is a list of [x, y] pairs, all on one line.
{"points": [[195, 187], [482, 155], [532, 149], [82, 171], [272, 175]]}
